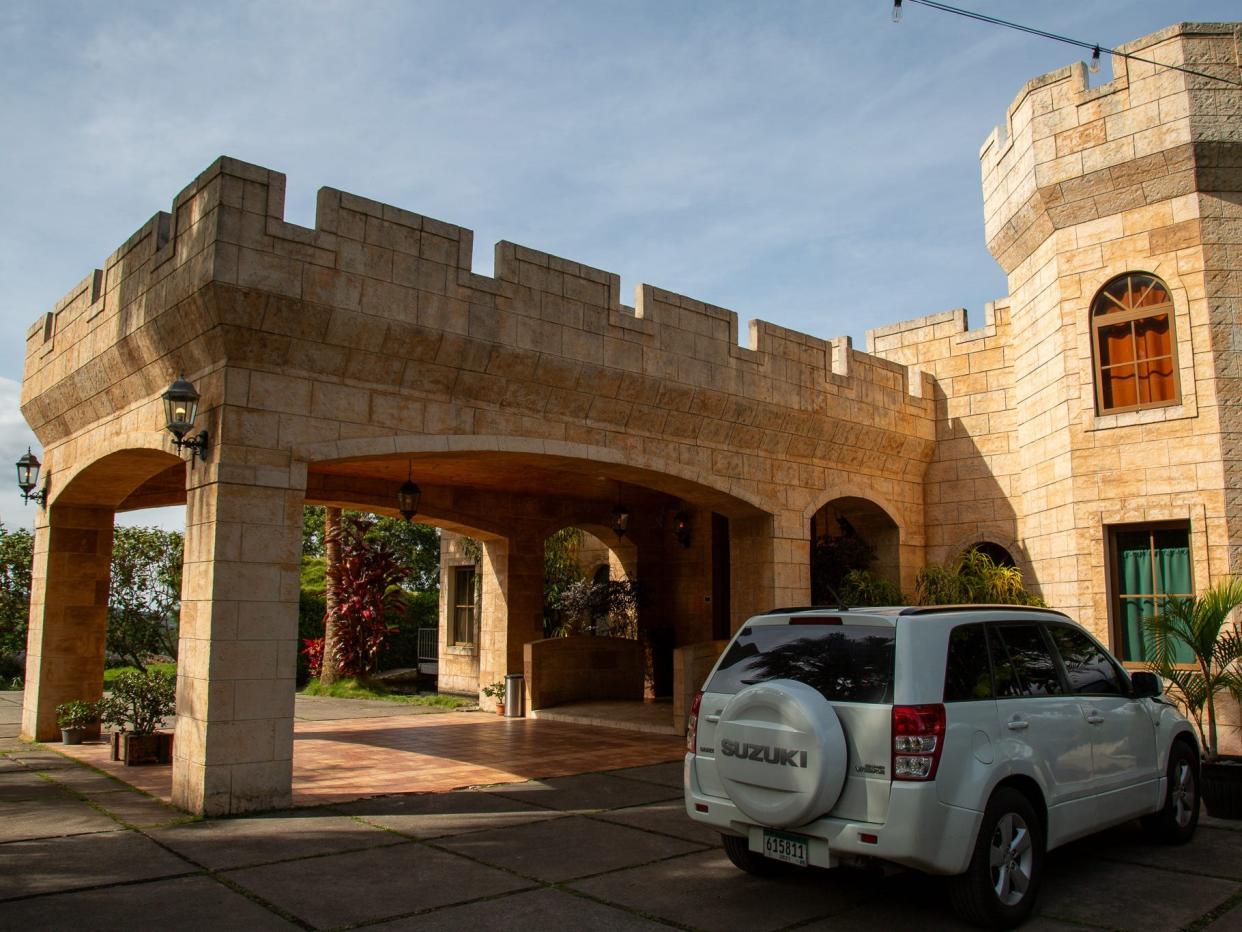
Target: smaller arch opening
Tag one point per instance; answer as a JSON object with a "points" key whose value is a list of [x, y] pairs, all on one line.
{"points": [[994, 552]]}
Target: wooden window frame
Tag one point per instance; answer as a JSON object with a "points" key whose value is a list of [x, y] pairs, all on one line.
{"points": [[1115, 615], [1101, 319], [459, 603]]}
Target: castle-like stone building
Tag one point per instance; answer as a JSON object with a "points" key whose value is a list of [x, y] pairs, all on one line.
{"points": [[1090, 427]]}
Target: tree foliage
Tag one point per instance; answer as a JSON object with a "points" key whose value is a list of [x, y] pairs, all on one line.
{"points": [[862, 587], [560, 571], [367, 580], [1201, 627], [16, 558], [144, 598], [418, 544]]}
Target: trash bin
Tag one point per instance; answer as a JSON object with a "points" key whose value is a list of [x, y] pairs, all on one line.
{"points": [[515, 695]]}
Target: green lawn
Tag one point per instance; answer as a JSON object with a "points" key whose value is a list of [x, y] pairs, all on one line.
{"points": [[111, 673], [374, 689]]}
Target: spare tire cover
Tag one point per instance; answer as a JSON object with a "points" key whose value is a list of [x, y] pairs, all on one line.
{"points": [[780, 753]]}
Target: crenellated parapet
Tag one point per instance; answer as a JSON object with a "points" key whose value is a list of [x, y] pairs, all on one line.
{"points": [[377, 296], [1070, 154]]}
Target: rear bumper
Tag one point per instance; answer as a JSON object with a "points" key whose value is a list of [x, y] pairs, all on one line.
{"points": [[920, 832]]}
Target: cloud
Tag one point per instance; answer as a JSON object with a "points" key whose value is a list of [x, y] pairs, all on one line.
{"points": [[15, 437]]}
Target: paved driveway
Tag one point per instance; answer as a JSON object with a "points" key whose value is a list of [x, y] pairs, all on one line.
{"points": [[605, 851]]}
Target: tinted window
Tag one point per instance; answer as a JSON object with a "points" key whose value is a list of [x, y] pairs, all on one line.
{"points": [[846, 663], [1027, 649], [1088, 667], [968, 674], [1004, 674]]}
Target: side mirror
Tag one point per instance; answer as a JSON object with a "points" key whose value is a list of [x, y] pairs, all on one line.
{"points": [[1146, 685]]}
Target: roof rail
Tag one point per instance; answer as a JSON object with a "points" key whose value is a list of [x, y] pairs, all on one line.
{"points": [[789, 610], [941, 609]]}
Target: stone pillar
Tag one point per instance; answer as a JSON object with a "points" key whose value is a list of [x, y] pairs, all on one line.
{"points": [[512, 605], [757, 559], [236, 671], [68, 613]]}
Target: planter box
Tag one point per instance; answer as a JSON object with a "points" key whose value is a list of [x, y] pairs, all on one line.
{"points": [[133, 750], [1222, 788]]}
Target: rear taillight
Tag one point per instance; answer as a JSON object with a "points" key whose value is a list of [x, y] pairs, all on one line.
{"points": [[692, 721], [918, 739]]}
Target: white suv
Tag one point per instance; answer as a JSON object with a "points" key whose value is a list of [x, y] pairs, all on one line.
{"points": [[964, 740]]}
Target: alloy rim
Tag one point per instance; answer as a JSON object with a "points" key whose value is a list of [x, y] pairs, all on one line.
{"points": [[1183, 794], [1011, 859]]}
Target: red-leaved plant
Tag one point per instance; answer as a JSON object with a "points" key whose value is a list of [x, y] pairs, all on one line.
{"points": [[366, 580]]}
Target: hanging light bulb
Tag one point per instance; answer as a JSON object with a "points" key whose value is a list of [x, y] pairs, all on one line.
{"points": [[896, 11], [1094, 65]]}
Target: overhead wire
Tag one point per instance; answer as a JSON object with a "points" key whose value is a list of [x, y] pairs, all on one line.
{"points": [[1094, 47]]}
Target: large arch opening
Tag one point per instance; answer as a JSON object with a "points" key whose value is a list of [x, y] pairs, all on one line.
{"points": [[855, 552]]}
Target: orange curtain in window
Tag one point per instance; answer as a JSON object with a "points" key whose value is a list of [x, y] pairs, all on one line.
{"points": [[1155, 374]]}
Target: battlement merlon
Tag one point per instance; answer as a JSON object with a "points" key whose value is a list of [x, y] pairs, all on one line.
{"points": [[370, 258], [1066, 153]]}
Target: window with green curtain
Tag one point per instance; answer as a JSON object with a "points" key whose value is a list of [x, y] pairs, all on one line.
{"points": [[1153, 565]]}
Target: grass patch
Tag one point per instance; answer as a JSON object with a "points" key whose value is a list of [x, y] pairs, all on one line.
{"points": [[112, 673], [351, 688]]}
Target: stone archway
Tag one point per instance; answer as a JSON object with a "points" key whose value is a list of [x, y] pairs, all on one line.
{"points": [[851, 532]]}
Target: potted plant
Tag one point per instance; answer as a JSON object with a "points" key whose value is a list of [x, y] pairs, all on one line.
{"points": [[75, 719], [496, 691], [137, 706], [1199, 653]]}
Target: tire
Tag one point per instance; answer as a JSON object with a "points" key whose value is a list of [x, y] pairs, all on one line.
{"points": [[1176, 821], [752, 862], [999, 888]]}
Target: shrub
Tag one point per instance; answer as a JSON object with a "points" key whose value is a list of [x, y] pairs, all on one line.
{"points": [[860, 587], [140, 700], [77, 714]]}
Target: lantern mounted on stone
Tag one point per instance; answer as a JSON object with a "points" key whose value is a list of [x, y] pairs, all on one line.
{"points": [[620, 520], [681, 528], [408, 496], [180, 409], [28, 478]]}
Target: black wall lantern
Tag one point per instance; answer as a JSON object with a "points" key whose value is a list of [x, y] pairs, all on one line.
{"points": [[28, 478], [620, 520], [408, 497], [180, 409], [681, 528]]}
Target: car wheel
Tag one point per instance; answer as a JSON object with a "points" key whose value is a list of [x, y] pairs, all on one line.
{"points": [[1175, 823], [752, 862], [999, 887]]}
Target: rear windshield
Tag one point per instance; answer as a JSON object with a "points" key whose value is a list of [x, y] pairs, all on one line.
{"points": [[845, 663]]}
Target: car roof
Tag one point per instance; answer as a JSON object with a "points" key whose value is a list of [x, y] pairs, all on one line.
{"points": [[889, 614]]}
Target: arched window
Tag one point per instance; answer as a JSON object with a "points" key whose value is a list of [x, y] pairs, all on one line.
{"points": [[1132, 329]]}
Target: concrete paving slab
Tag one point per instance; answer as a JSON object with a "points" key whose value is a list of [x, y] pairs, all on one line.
{"points": [[670, 774], [1230, 922], [1080, 888], [668, 818], [24, 784], [42, 760], [227, 843], [434, 815], [85, 780], [190, 904], [48, 865], [567, 848], [544, 909], [1215, 853], [343, 889], [139, 810], [586, 792], [705, 891], [892, 901], [47, 818]]}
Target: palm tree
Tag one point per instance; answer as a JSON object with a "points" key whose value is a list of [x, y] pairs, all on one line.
{"points": [[1199, 627]]}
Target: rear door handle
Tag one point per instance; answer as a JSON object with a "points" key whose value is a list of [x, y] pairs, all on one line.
{"points": [[712, 718], [1095, 718], [1017, 725]]}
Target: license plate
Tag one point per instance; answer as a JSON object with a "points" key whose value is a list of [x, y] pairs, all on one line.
{"points": [[782, 846]]}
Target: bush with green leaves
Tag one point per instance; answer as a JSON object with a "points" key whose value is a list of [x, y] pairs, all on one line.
{"points": [[140, 701], [973, 578], [862, 587], [77, 714], [604, 608], [16, 559], [1199, 628]]}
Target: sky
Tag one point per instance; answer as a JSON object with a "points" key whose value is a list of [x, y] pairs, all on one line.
{"points": [[812, 164]]}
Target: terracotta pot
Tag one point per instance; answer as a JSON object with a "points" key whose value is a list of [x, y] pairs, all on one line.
{"points": [[1222, 787], [500, 708]]}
